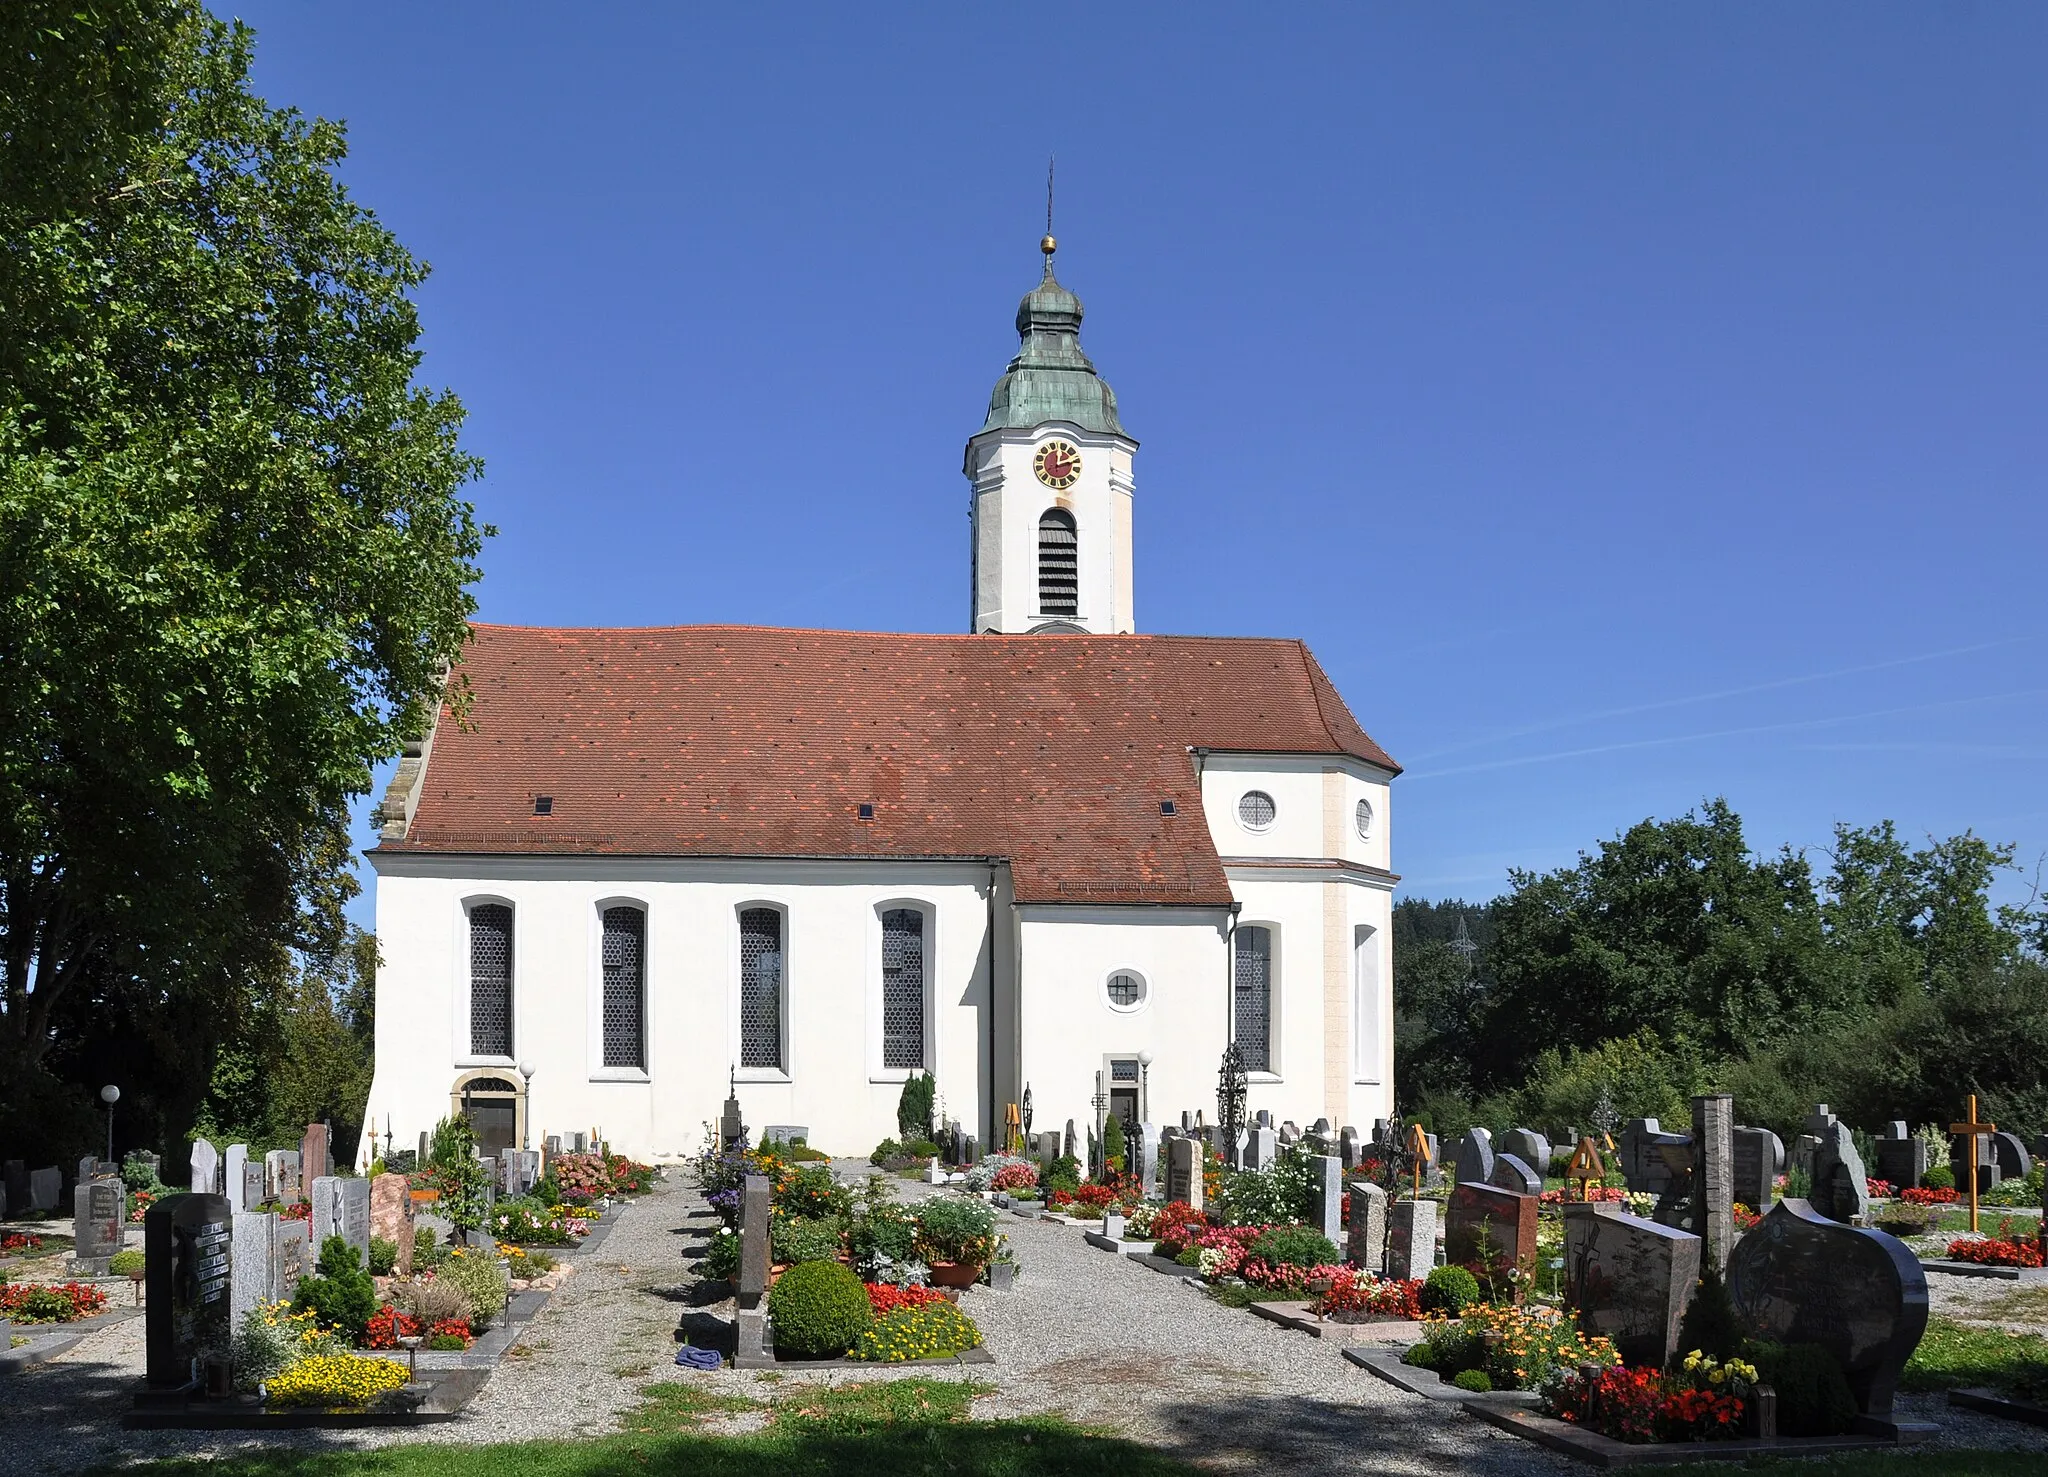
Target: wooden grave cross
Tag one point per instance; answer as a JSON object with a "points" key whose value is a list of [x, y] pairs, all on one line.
{"points": [[1013, 1127], [1418, 1149], [1973, 1128], [1585, 1166]]}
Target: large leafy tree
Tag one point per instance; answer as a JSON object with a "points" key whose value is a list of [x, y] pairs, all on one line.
{"points": [[233, 558]]}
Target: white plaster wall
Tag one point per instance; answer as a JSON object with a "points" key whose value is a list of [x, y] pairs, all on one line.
{"points": [[1310, 812], [834, 1084], [1008, 502]]}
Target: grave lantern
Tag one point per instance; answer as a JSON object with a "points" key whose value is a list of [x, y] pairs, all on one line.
{"points": [[110, 1095]]}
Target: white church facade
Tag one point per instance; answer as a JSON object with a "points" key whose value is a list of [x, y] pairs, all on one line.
{"points": [[1044, 854]]}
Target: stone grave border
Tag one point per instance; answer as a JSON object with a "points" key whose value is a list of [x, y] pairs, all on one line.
{"points": [[979, 1354], [2005, 1407], [2028, 1275], [1298, 1317], [1386, 1364], [1604, 1451]]}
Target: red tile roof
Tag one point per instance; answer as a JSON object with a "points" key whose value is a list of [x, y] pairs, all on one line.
{"points": [[1052, 752]]}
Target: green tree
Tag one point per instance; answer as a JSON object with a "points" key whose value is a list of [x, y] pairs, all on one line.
{"points": [[233, 558]]}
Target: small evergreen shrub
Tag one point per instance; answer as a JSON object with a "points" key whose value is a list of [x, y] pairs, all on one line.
{"points": [[1475, 1380], [921, 1149], [340, 1294], [1449, 1290], [914, 1107], [886, 1150], [1065, 1174], [819, 1309], [1709, 1324], [1813, 1393], [383, 1256], [427, 1253], [1421, 1356], [1293, 1246], [1939, 1177], [1113, 1146], [800, 1239], [127, 1264]]}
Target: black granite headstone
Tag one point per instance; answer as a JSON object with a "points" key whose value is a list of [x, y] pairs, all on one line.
{"points": [[187, 1245], [1800, 1278]]}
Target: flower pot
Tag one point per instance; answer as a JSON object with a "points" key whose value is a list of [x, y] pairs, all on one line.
{"points": [[1002, 1276], [955, 1274]]}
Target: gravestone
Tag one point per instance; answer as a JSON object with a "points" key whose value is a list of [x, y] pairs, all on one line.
{"points": [[44, 1186], [252, 1185], [1629, 1279], [92, 1167], [205, 1168], [1501, 1219], [314, 1162], [341, 1207], [1330, 1197], [1643, 1164], [553, 1141], [1347, 1146], [1759, 1157], [1365, 1240], [785, 1133], [1289, 1134], [1145, 1159], [1475, 1157], [188, 1250], [1713, 1176], [1263, 1118], [1801, 1278], [391, 1216], [17, 1183], [1411, 1239], [99, 1219], [1322, 1128], [1510, 1172], [1048, 1148], [1433, 1172], [270, 1258], [1901, 1157], [233, 1183], [1187, 1121], [1070, 1145], [1532, 1148], [2010, 1155], [579, 1142], [1184, 1172], [972, 1148], [1841, 1190], [750, 1316], [1261, 1148]]}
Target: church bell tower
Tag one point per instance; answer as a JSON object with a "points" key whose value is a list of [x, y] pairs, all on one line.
{"points": [[1050, 470]]}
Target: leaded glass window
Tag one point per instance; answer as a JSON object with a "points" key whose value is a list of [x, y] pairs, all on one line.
{"points": [[760, 987], [1059, 564], [902, 988], [625, 987], [1254, 992], [490, 980]]}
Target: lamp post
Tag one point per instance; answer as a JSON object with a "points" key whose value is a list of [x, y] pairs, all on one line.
{"points": [[1144, 1087], [110, 1095], [525, 1101]]}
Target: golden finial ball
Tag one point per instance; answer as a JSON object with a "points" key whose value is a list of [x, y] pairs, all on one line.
{"points": [[1047, 245]]}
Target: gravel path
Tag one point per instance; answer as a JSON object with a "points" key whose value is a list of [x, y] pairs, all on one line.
{"points": [[1096, 1337]]}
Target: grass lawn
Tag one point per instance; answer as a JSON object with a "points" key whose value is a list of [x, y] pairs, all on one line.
{"points": [[902, 1428], [1955, 1356]]}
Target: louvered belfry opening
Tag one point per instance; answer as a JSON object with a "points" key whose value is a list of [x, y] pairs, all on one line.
{"points": [[1059, 564], [625, 987], [1254, 991], [490, 980], [902, 988], [760, 987]]}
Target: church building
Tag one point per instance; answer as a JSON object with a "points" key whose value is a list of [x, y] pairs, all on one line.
{"points": [[1051, 854]]}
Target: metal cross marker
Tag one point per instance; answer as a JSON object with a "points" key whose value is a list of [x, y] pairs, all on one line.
{"points": [[1585, 1167], [1973, 1128], [1418, 1150]]}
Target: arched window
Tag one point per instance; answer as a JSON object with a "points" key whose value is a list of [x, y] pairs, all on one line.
{"points": [[1254, 997], [490, 980], [902, 988], [625, 987], [1059, 564], [760, 987]]}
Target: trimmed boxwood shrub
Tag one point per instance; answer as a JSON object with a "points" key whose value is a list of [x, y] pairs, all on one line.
{"points": [[1813, 1393], [1940, 1177], [1475, 1380], [340, 1295], [1294, 1246], [819, 1309], [1449, 1290]]}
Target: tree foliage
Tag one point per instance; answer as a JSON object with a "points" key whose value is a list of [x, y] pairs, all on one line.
{"points": [[1673, 959], [233, 561]]}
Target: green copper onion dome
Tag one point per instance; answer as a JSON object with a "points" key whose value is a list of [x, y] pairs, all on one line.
{"points": [[1051, 379]]}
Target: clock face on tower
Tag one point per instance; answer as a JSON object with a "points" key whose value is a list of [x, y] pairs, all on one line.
{"points": [[1058, 464]]}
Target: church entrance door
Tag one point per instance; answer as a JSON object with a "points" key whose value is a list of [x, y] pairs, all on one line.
{"points": [[491, 1104]]}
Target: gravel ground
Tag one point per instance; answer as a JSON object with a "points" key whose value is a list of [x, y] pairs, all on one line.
{"points": [[1093, 1336]]}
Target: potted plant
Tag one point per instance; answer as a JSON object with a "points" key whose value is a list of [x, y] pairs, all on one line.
{"points": [[956, 1239]]}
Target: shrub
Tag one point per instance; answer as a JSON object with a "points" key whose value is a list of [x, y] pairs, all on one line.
{"points": [[1709, 1326], [1939, 1177], [272, 1337], [1475, 1380], [481, 1280], [127, 1264], [527, 1265], [430, 1300], [921, 1149], [950, 1230], [812, 1194], [1014, 1177], [885, 1151], [427, 1253], [1449, 1290], [454, 1170], [721, 1257], [528, 1221], [1289, 1189], [800, 1239], [1113, 1146], [581, 1178], [933, 1330], [344, 1380], [914, 1106], [1294, 1246], [819, 1310], [383, 1256], [1813, 1393], [1065, 1174], [340, 1295], [885, 1231]]}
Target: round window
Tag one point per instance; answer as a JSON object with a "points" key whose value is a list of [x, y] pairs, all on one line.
{"points": [[1126, 990], [1255, 811], [1364, 820]]}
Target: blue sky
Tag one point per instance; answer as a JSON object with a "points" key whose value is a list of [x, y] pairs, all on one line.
{"points": [[1629, 404]]}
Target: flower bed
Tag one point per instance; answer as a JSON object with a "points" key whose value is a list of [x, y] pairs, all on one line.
{"points": [[2002, 1250], [525, 1222], [1595, 1194], [1175, 1227], [20, 1243], [885, 1298], [1516, 1348], [50, 1302], [1015, 1177], [1359, 1297], [1702, 1400], [341, 1381], [1938, 1195], [1878, 1189], [1088, 1197], [931, 1330]]}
